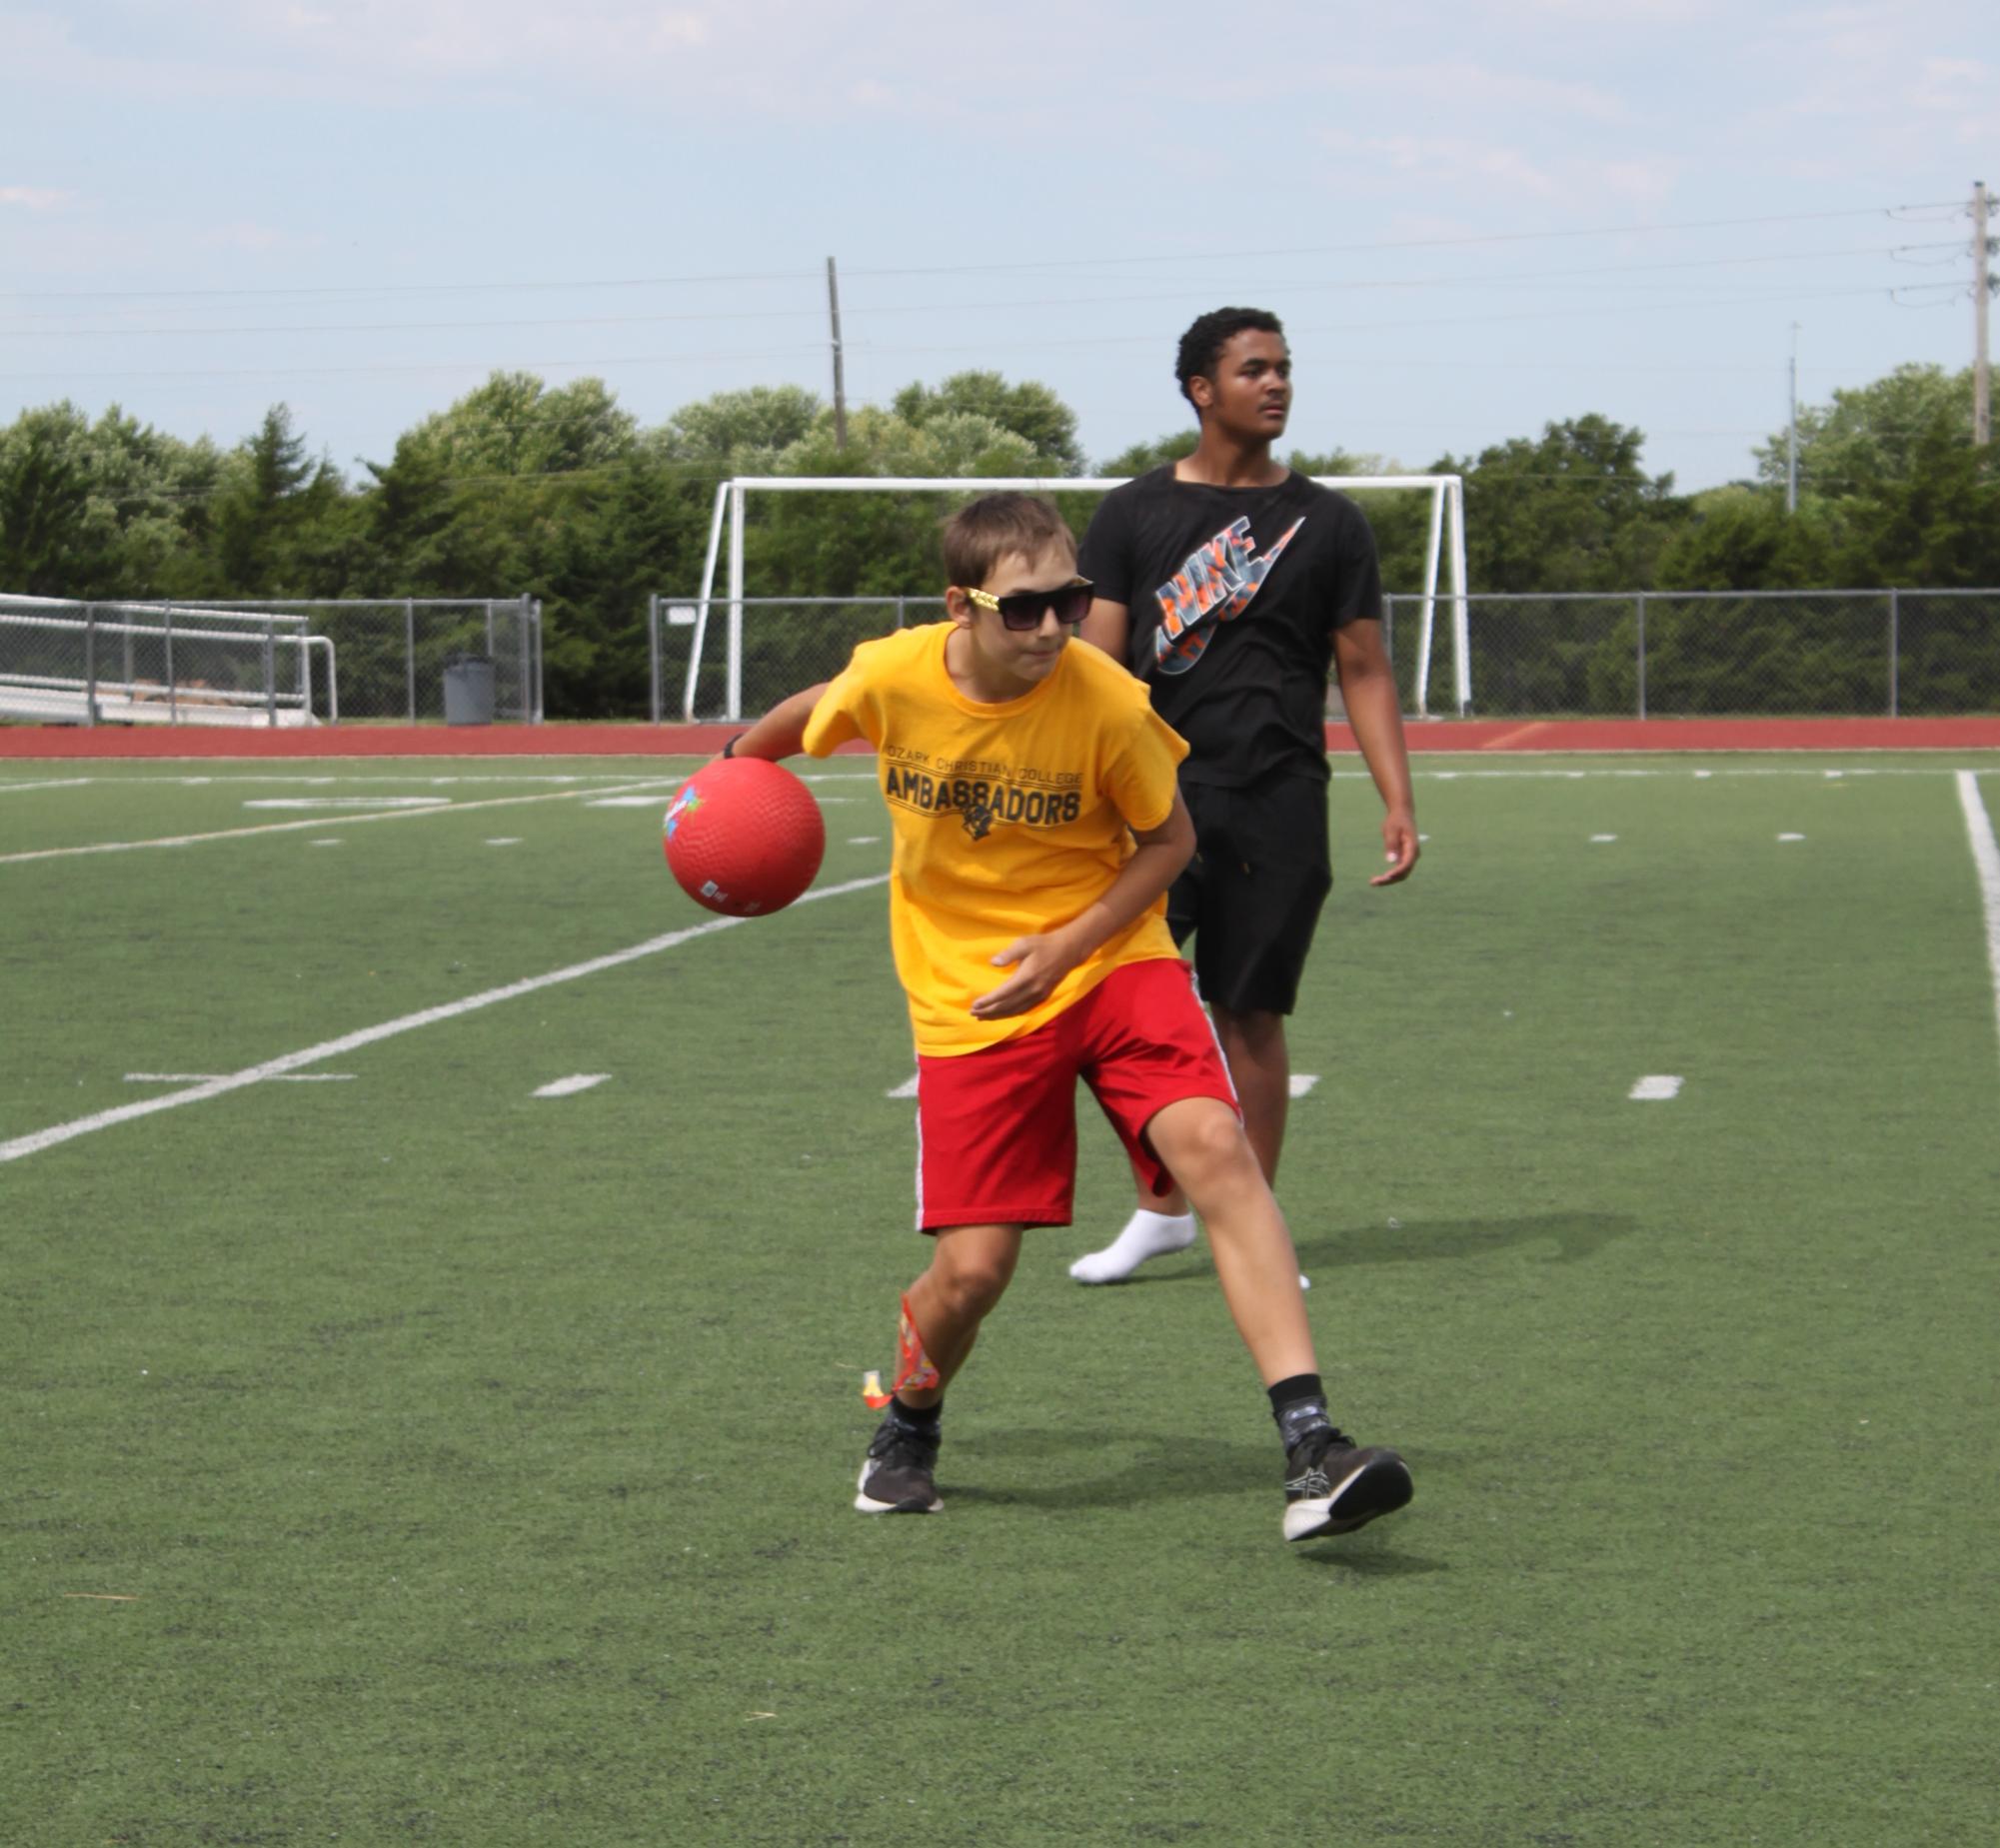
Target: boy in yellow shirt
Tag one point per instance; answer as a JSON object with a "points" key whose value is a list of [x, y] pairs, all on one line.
{"points": [[1038, 824]]}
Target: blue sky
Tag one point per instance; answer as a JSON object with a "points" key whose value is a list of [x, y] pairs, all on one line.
{"points": [[1473, 218]]}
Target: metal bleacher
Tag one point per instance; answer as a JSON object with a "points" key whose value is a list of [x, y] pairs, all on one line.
{"points": [[70, 662]]}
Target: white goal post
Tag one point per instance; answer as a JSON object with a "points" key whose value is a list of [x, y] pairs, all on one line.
{"points": [[1444, 547]]}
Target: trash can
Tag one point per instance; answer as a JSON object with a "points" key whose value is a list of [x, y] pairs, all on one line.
{"points": [[469, 690]]}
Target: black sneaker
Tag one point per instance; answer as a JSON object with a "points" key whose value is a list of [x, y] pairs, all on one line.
{"points": [[897, 1474], [1334, 1485]]}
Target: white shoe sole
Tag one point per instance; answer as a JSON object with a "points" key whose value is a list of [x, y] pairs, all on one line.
{"points": [[865, 1505], [1377, 1486]]}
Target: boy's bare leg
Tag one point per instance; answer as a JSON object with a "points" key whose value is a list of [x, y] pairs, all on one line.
{"points": [[970, 1267], [1333, 1484], [1259, 1061], [1205, 1148]]}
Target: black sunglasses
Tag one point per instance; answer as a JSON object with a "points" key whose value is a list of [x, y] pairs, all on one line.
{"points": [[1023, 609]]}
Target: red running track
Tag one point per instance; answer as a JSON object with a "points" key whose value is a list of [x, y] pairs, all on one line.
{"points": [[648, 741]]}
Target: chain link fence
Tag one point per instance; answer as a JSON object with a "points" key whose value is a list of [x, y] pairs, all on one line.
{"points": [[1751, 654], [732, 659], [272, 662], [784, 642], [395, 651]]}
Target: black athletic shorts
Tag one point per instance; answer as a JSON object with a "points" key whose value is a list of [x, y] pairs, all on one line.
{"points": [[1251, 894]]}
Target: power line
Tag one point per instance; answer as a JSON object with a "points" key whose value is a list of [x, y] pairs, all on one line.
{"points": [[877, 349], [1338, 284], [1154, 259]]}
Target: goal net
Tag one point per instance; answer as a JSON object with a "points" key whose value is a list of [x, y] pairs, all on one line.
{"points": [[1444, 562]]}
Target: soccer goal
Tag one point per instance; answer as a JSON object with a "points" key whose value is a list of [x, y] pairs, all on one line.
{"points": [[1444, 555]]}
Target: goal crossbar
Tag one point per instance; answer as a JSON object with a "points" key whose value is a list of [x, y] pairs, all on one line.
{"points": [[1443, 555]]}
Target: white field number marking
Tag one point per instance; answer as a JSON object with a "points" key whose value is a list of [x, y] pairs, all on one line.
{"points": [[907, 1089], [1657, 1089], [1303, 1083], [1791, 836], [568, 1087]]}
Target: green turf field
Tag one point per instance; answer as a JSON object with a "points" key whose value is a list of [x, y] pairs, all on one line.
{"points": [[402, 1456]]}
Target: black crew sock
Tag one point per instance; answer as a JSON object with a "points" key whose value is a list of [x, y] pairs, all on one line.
{"points": [[924, 1422], [1300, 1406]]}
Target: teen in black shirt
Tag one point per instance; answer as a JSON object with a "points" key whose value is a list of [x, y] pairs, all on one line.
{"points": [[1233, 587]]}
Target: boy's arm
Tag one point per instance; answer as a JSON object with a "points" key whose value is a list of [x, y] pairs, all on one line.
{"points": [[780, 733], [1040, 962], [1374, 709]]}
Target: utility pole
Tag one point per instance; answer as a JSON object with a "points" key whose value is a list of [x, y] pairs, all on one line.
{"points": [[839, 380], [1982, 295], [1792, 432]]}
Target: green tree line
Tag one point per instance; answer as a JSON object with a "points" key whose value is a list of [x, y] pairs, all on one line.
{"points": [[520, 486]]}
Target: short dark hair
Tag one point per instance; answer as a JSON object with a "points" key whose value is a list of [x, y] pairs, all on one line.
{"points": [[998, 526], [1201, 346]]}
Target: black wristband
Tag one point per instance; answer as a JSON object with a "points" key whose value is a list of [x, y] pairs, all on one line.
{"points": [[728, 750]]}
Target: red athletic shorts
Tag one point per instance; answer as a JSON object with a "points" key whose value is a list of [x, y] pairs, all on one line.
{"points": [[996, 1129]]}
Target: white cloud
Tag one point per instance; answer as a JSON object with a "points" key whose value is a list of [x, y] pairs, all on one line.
{"points": [[1648, 180], [1446, 159], [438, 37], [246, 235], [1949, 86], [1864, 90], [35, 198], [1630, 12], [1464, 86], [371, 48]]}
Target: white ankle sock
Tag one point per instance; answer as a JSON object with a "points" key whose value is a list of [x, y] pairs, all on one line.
{"points": [[1146, 1234]]}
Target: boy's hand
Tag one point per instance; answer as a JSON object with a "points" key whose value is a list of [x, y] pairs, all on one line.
{"points": [[1040, 964], [1400, 847]]}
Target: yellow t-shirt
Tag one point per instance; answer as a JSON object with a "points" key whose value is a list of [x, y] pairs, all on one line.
{"points": [[1010, 819]]}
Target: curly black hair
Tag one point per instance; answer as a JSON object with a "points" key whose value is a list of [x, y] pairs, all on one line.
{"points": [[1201, 346]]}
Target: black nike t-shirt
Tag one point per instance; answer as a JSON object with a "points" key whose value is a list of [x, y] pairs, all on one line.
{"points": [[1234, 595]]}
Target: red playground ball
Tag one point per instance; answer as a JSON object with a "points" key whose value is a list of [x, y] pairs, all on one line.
{"points": [[743, 837]]}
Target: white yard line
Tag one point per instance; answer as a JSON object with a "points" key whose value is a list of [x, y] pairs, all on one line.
{"points": [[1612, 774], [344, 802], [41, 1139], [1986, 858], [209, 1077], [569, 1086], [231, 779], [281, 828]]}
